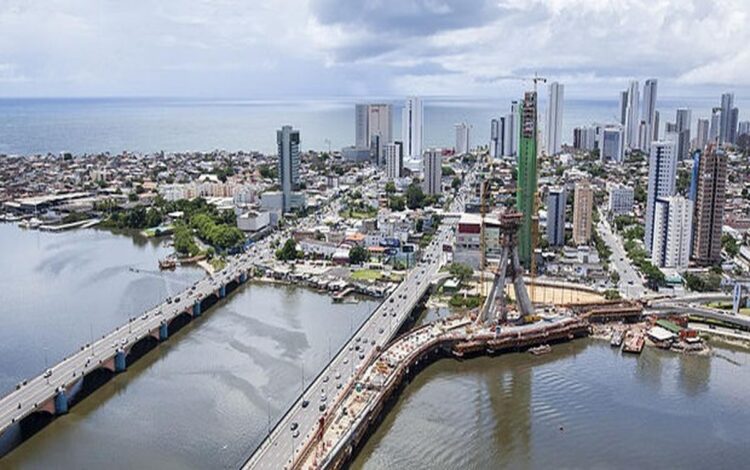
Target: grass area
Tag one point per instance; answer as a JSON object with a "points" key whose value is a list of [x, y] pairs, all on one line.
{"points": [[218, 263], [366, 275], [346, 214], [470, 301]]}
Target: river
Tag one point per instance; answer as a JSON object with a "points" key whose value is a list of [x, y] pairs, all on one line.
{"points": [[201, 400]]}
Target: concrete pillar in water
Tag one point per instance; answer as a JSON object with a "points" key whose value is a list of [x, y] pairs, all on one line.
{"points": [[243, 277], [197, 309], [61, 402], [222, 292], [120, 364], [163, 331]]}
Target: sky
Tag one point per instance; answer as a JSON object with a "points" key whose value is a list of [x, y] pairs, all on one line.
{"points": [[348, 48]]}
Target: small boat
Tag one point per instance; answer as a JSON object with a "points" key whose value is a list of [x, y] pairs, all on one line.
{"points": [[167, 263], [616, 340], [542, 349], [633, 343]]}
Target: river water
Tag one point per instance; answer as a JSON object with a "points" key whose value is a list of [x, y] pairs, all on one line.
{"points": [[201, 400]]}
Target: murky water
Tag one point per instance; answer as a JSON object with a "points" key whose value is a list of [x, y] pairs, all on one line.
{"points": [[204, 398], [583, 406]]}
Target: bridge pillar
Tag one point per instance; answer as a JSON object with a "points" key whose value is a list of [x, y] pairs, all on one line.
{"points": [[61, 402], [222, 292], [163, 331], [197, 309], [243, 277], [120, 364]]}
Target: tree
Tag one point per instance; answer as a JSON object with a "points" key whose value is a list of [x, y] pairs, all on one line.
{"points": [[414, 196], [132, 197], [358, 255], [153, 218], [614, 277], [461, 271], [447, 171], [288, 252], [683, 180], [268, 171], [396, 203], [456, 183], [390, 187], [612, 294], [183, 241], [729, 244]]}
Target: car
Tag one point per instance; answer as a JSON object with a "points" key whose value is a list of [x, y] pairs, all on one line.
{"points": [[372, 343], [338, 385], [381, 331], [295, 434], [322, 407], [346, 360], [325, 379], [338, 375], [361, 355], [356, 348], [323, 397], [294, 426], [47, 373]]}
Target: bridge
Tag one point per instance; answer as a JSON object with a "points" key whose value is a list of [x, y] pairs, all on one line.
{"points": [[287, 439], [36, 402], [679, 306]]}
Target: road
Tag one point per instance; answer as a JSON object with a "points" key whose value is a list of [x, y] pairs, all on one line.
{"points": [[301, 420], [631, 283]]}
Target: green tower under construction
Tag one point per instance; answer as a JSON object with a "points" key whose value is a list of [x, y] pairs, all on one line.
{"points": [[526, 185]]}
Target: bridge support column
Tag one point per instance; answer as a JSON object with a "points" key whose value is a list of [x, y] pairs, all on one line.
{"points": [[222, 292], [163, 331], [61, 402], [243, 277], [197, 309], [120, 364]]}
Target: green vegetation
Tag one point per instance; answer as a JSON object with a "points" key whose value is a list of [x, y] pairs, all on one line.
{"points": [[397, 203], [461, 271], [469, 301], [654, 276], [414, 196], [601, 246], [184, 244], [634, 232], [390, 187], [366, 275], [639, 193], [218, 235], [268, 171], [218, 263], [288, 252], [729, 244], [683, 180], [612, 294], [358, 255], [456, 183], [708, 282], [622, 221], [447, 171], [135, 218], [74, 217]]}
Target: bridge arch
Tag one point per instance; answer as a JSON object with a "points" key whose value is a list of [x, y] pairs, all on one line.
{"points": [[232, 285], [178, 322], [91, 382], [208, 302], [34, 422], [140, 348]]}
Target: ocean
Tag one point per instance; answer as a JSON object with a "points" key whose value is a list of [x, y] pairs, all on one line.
{"points": [[94, 125]]}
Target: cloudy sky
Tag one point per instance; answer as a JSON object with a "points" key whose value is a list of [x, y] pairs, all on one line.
{"points": [[328, 48]]}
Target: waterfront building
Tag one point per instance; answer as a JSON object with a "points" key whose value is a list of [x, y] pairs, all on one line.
{"points": [[662, 173], [526, 186], [287, 141], [612, 144], [621, 199], [373, 128], [583, 203], [709, 206], [412, 128], [394, 160], [554, 117], [462, 138], [673, 220], [556, 203], [433, 171]]}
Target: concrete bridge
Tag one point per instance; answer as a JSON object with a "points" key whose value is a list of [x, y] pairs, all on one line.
{"points": [[36, 402]]}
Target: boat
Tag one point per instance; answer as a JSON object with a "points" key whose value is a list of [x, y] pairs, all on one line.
{"points": [[616, 340], [167, 263], [542, 349], [633, 343]]}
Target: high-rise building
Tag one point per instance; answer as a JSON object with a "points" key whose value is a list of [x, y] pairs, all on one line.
{"points": [[432, 163], [729, 114], [683, 122], [743, 128], [527, 174], [496, 137], [623, 107], [701, 134], [657, 120], [380, 128], [649, 112], [632, 117], [714, 133], [462, 138], [361, 126], [694, 175], [673, 220], [412, 128], [511, 132], [556, 203], [709, 206], [583, 204], [585, 138], [394, 160], [662, 174], [554, 118], [621, 199], [287, 141], [612, 144]]}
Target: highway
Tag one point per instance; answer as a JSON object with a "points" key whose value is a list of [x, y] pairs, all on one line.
{"points": [[300, 422]]}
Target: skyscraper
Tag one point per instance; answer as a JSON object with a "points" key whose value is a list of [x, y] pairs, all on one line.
{"points": [[554, 118], [623, 107], [556, 202], [709, 206], [714, 133], [511, 132], [432, 163], [496, 137], [621, 199], [412, 128], [612, 145], [287, 141], [701, 134], [527, 173], [662, 173], [694, 175], [743, 128], [632, 120], [462, 138], [361, 126], [729, 114], [379, 128], [673, 220], [583, 203], [683, 121], [649, 111], [394, 160]]}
